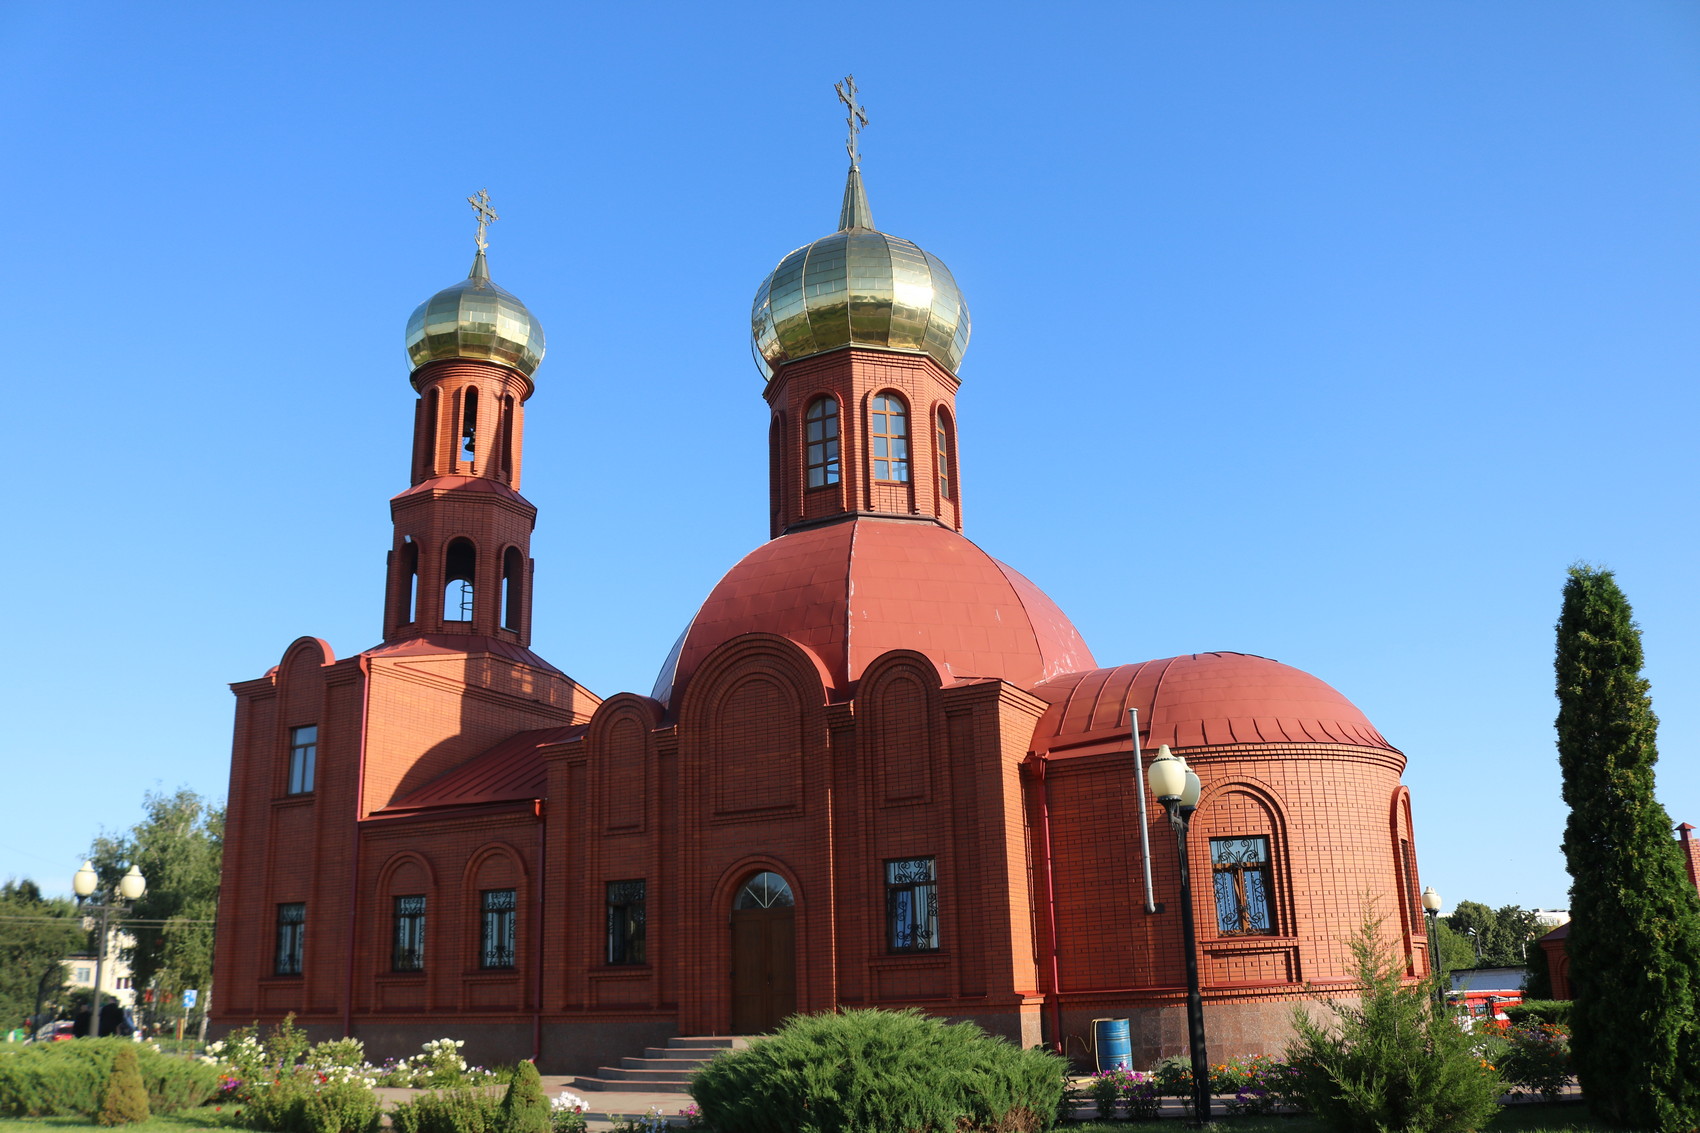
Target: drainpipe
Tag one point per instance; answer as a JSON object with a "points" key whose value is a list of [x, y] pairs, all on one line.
{"points": [[1144, 827], [537, 1001], [354, 859], [1050, 902]]}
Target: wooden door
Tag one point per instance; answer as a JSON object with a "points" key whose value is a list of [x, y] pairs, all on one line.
{"points": [[764, 969]]}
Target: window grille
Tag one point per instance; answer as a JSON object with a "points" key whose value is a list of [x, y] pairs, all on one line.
{"points": [[409, 952], [291, 938], [911, 905], [1241, 874], [496, 948], [626, 922]]}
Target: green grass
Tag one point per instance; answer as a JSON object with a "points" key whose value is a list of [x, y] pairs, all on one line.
{"points": [[189, 1121]]}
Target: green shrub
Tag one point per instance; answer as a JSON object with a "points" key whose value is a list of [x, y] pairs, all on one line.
{"points": [[876, 1071], [1395, 1061], [125, 1099], [65, 1079], [303, 1101], [1537, 1059], [455, 1109], [1540, 1011], [524, 1108]]}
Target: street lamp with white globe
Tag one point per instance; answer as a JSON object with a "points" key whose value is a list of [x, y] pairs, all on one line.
{"points": [[1177, 787], [130, 888]]}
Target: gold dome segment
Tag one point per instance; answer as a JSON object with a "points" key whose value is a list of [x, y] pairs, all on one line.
{"points": [[475, 319], [859, 287]]}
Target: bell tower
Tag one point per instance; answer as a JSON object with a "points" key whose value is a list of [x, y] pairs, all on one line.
{"points": [[860, 335], [460, 563]]}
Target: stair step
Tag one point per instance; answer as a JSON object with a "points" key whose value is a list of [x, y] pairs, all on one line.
{"points": [[629, 1086], [683, 1065], [624, 1074]]}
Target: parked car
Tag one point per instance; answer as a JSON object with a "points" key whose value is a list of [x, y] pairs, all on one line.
{"points": [[58, 1031]]}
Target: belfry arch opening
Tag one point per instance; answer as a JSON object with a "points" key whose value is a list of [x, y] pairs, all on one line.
{"points": [[460, 571], [409, 579], [513, 588], [469, 425]]}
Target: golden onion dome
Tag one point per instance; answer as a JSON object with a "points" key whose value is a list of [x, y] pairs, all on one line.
{"points": [[859, 287], [475, 319]]}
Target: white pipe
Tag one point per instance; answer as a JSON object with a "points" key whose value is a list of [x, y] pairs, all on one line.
{"points": [[1144, 826]]}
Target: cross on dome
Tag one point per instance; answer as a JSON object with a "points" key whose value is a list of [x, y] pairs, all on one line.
{"points": [[481, 205], [855, 117]]}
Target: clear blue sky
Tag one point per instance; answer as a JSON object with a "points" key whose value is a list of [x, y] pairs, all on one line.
{"points": [[1327, 332]]}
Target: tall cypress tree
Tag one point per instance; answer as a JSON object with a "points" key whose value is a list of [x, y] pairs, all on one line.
{"points": [[1635, 929]]}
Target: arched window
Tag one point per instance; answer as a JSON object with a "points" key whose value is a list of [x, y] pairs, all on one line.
{"points": [[469, 424], [410, 578], [428, 438], [821, 424], [888, 427], [513, 588], [766, 890], [945, 455], [460, 564], [507, 440]]}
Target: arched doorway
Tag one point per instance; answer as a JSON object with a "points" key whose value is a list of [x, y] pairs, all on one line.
{"points": [[764, 958]]}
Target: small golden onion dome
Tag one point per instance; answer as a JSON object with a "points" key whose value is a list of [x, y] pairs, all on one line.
{"points": [[859, 287], [475, 319]]}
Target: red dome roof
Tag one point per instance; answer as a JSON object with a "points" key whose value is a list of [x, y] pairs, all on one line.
{"points": [[1197, 700], [851, 591]]}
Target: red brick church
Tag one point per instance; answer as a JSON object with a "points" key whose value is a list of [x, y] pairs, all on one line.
{"points": [[880, 767]]}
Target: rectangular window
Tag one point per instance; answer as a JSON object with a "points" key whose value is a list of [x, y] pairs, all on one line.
{"points": [[625, 922], [911, 905], [1241, 867], [291, 936], [409, 952], [303, 755], [84, 974], [496, 948]]}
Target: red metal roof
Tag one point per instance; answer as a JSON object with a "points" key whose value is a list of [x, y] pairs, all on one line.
{"points": [[509, 772], [427, 645], [851, 591], [1197, 700]]}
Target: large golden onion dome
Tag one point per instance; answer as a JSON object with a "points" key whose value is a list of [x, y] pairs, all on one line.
{"points": [[859, 287], [475, 319]]}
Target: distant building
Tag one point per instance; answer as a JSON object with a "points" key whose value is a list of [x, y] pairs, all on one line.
{"points": [[879, 768], [116, 980]]}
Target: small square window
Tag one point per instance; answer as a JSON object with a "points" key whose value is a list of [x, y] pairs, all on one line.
{"points": [[911, 905], [291, 938], [626, 922], [303, 757]]}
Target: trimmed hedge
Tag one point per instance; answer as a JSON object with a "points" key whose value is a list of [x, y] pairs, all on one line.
{"points": [[870, 1071], [1539, 1011], [69, 1078]]}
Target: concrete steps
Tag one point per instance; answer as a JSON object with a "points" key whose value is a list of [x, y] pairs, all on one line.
{"points": [[660, 1070]]}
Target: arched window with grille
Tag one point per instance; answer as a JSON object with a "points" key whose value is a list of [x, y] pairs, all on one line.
{"points": [[888, 432], [820, 425]]}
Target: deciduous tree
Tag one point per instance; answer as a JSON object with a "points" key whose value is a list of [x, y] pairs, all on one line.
{"points": [[1635, 931], [179, 846], [35, 937]]}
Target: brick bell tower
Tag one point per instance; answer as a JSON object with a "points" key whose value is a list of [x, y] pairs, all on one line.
{"points": [[460, 564], [860, 334]]}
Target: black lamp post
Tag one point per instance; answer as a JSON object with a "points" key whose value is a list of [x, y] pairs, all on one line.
{"points": [[130, 887], [1431, 908], [1177, 787]]}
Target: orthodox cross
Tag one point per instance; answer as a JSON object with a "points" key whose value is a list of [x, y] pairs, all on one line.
{"points": [[854, 117], [481, 205]]}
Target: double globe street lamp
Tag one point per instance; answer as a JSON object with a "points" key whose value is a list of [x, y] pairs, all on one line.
{"points": [[1177, 787], [130, 888]]}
